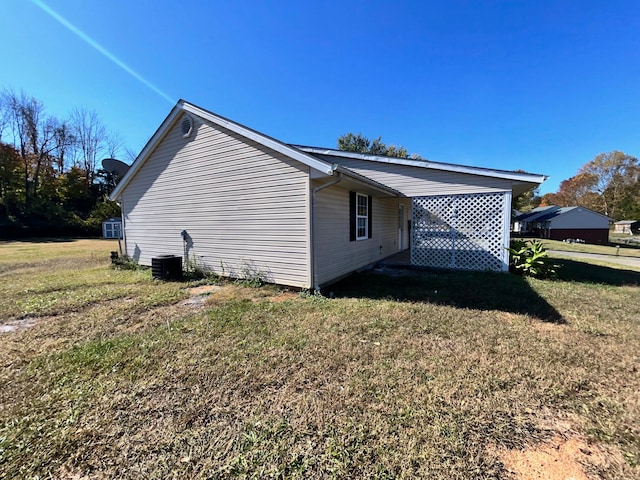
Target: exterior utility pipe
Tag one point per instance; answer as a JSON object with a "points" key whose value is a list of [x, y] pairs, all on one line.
{"points": [[314, 273]]}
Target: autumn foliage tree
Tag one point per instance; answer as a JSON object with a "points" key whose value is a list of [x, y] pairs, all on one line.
{"points": [[609, 184], [49, 166]]}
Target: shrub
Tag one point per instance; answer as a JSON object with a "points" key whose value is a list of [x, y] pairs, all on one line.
{"points": [[530, 258], [124, 262], [196, 271]]}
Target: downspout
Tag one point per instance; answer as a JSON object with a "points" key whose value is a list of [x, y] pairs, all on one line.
{"points": [[124, 237], [314, 269]]}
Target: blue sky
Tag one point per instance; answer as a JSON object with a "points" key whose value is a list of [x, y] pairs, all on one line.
{"points": [[539, 85]]}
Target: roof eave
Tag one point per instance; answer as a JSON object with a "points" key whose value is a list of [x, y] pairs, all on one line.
{"points": [[450, 167], [148, 148]]}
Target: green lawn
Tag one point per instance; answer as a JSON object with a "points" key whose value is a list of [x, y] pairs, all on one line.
{"points": [[430, 375], [625, 250]]}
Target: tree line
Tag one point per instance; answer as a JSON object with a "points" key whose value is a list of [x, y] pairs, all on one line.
{"points": [[51, 182], [608, 184]]}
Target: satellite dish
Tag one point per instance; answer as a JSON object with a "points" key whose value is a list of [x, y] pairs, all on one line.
{"points": [[115, 167]]}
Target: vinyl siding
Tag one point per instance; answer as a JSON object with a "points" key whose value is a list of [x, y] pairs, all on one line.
{"points": [[243, 205], [336, 256], [417, 182], [579, 218]]}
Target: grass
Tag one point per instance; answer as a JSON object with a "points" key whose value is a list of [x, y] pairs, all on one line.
{"points": [[624, 250], [427, 375]]}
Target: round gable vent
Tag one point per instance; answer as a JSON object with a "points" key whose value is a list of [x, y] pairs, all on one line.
{"points": [[186, 126]]}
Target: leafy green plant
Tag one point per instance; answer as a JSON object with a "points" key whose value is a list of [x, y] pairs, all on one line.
{"points": [[197, 271], [251, 275], [530, 258]]}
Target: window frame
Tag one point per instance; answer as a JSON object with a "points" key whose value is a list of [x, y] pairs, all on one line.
{"points": [[362, 216]]}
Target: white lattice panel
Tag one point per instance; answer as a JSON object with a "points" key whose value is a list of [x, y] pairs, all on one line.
{"points": [[464, 232]]}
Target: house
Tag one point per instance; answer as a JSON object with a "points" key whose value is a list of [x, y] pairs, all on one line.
{"points": [[241, 203], [627, 226], [112, 228], [562, 223]]}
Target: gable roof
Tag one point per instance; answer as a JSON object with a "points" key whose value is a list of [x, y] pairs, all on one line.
{"points": [[555, 213], [449, 167], [183, 106], [540, 214], [531, 214], [307, 155]]}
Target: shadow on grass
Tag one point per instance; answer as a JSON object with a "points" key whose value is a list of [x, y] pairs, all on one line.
{"points": [[473, 290], [577, 271]]}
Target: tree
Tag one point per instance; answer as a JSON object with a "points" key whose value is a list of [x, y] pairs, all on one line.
{"points": [[74, 192], [358, 143], [91, 138], [615, 174], [526, 201], [577, 190], [609, 184], [35, 137], [48, 173], [65, 141], [10, 180], [113, 143]]}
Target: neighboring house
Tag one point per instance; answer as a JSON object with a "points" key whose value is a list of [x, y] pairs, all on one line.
{"points": [[241, 203], [112, 228], [627, 226], [562, 223]]}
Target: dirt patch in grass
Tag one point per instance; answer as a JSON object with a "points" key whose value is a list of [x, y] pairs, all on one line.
{"points": [[17, 324], [218, 295], [283, 297], [559, 458], [203, 290]]}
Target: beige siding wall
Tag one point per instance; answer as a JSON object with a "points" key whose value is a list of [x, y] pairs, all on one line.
{"points": [[243, 206], [417, 182], [336, 256]]}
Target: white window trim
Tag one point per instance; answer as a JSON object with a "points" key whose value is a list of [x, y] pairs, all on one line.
{"points": [[365, 216]]}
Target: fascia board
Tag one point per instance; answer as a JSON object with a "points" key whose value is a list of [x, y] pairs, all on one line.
{"points": [[146, 151], [291, 152], [449, 167]]}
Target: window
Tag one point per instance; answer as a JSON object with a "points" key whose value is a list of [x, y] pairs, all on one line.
{"points": [[112, 230], [360, 216]]}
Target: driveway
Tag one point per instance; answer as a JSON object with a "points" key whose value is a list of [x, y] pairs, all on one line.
{"points": [[626, 261]]}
